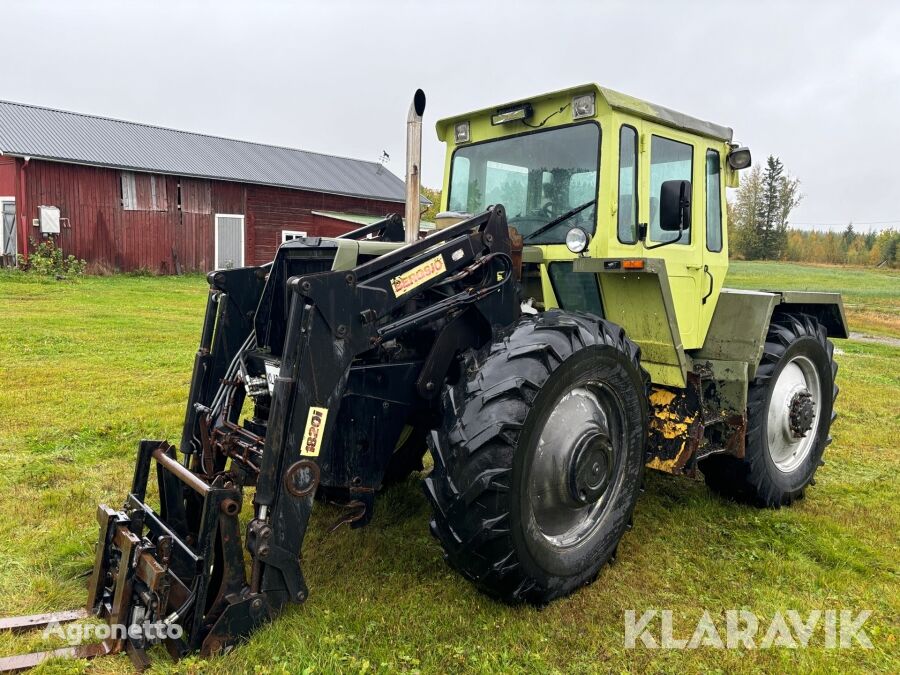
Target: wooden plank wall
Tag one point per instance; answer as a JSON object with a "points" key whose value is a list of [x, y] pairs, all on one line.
{"points": [[99, 230]]}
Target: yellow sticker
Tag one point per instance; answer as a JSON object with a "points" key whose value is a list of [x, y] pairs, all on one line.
{"points": [[418, 275], [315, 427]]}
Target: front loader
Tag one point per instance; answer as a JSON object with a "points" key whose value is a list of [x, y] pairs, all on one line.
{"points": [[544, 351]]}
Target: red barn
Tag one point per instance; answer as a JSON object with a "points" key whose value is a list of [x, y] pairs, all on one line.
{"points": [[127, 196]]}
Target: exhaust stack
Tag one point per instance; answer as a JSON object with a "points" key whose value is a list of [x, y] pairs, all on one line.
{"points": [[413, 164]]}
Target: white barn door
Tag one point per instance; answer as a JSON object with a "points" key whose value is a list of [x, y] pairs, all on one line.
{"points": [[8, 241], [229, 241]]}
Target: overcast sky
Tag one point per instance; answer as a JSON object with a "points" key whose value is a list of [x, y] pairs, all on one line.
{"points": [[816, 83]]}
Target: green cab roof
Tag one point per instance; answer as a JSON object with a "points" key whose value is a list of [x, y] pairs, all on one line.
{"points": [[617, 101]]}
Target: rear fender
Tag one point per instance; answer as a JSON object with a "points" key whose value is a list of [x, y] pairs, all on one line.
{"points": [[741, 322], [827, 308]]}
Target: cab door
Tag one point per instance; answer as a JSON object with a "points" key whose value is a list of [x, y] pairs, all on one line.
{"points": [[667, 154], [715, 250]]}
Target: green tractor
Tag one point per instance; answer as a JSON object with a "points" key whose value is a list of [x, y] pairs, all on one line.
{"points": [[564, 327], [637, 356]]}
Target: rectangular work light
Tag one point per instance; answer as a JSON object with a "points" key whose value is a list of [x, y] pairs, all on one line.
{"points": [[583, 106], [520, 112], [461, 132]]}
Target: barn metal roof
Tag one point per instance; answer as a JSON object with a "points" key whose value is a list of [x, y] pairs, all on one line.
{"points": [[58, 135]]}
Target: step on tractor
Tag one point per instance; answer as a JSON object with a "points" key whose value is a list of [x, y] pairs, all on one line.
{"points": [[563, 328]]}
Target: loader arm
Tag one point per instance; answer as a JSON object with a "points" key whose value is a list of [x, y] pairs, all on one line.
{"points": [[335, 363]]}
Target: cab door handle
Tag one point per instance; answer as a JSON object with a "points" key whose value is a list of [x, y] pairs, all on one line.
{"points": [[711, 284]]}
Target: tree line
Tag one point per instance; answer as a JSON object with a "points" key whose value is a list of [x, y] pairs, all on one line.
{"points": [[877, 249], [759, 229]]}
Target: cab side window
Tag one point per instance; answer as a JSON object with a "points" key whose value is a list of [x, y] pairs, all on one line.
{"points": [[713, 202], [628, 182], [669, 160], [459, 185]]}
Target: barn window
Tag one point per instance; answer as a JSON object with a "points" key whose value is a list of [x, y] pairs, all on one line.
{"points": [[290, 235], [129, 191], [144, 192]]}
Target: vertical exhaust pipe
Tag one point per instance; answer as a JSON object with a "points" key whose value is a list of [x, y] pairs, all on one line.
{"points": [[413, 164]]}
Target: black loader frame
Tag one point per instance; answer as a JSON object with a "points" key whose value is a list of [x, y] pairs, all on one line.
{"points": [[336, 364]]}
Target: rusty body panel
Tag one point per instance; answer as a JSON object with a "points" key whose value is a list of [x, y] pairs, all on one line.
{"points": [[707, 417]]}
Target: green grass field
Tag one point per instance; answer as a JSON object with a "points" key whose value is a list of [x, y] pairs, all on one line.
{"points": [[871, 297], [88, 368]]}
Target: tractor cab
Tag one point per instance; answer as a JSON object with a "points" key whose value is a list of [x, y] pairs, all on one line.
{"points": [[599, 184]]}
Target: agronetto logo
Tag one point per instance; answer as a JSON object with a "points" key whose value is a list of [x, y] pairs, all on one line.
{"points": [[742, 629], [76, 633]]}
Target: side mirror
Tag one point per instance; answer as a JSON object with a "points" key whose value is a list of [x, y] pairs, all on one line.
{"points": [[675, 205]]}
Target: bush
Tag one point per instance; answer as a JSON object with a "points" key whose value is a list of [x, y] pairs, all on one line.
{"points": [[141, 272], [47, 259]]}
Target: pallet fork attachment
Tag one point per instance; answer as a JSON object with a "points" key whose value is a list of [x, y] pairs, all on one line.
{"points": [[318, 352]]}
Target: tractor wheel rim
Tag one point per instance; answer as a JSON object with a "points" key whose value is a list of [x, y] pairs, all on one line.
{"points": [[576, 464], [794, 410]]}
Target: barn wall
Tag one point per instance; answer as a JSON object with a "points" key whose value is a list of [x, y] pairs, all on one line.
{"points": [[100, 230], [271, 210], [7, 176]]}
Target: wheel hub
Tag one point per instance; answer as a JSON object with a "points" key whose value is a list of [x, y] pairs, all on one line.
{"points": [[794, 409], [802, 413], [591, 468], [575, 464]]}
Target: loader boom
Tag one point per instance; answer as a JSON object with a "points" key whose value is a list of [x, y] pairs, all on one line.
{"points": [[333, 364]]}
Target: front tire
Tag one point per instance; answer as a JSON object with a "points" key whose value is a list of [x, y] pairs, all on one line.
{"points": [[790, 408], [538, 463]]}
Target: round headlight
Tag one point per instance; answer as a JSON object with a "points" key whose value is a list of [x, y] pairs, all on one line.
{"points": [[577, 240]]}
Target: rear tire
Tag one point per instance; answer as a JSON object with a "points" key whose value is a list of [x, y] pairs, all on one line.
{"points": [[538, 463], [790, 408]]}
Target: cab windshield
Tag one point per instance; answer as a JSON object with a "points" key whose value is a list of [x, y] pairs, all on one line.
{"points": [[537, 177]]}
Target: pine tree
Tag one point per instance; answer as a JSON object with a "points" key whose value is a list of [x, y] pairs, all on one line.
{"points": [[758, 218], [890, 250], [768, 208], [870, 239], [849, 234], [779, 194]]}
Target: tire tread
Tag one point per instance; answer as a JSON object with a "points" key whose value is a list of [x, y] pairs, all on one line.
{"points": [[746, 479], [470, 485]]}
